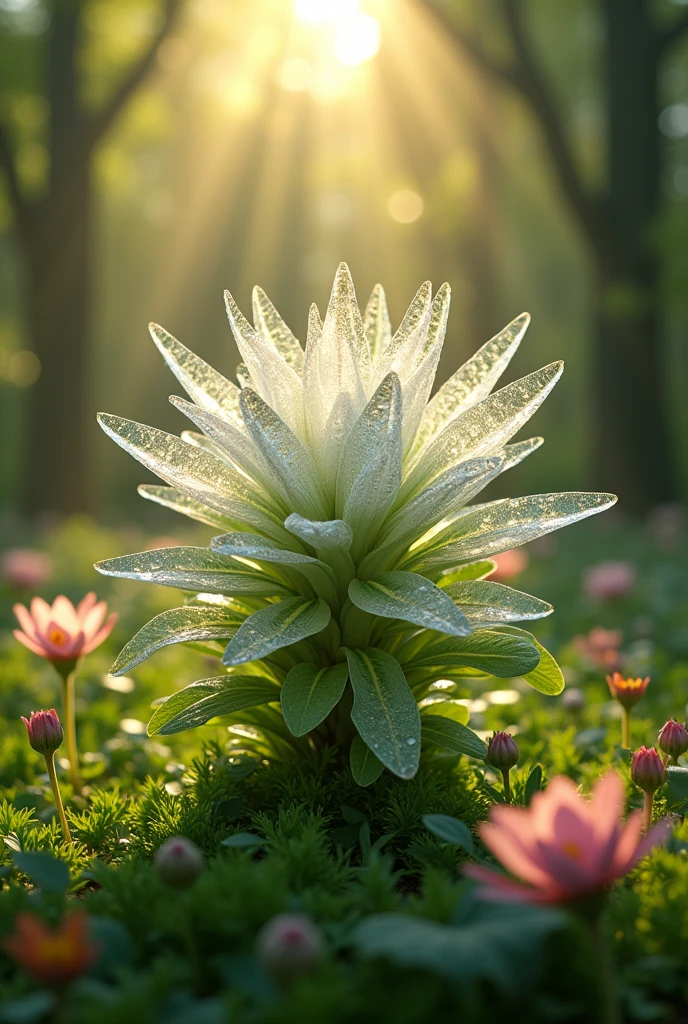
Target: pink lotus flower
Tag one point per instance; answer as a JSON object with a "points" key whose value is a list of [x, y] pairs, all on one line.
{"points": [[26, 569], [563, 847], [509, 564], [609, 581], [60, 632]]}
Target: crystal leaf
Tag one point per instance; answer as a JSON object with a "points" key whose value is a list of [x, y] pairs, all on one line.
{"points": [[251, 546], [197, 473], [204, 385], [472, 382], [276, 626], [497, 653], [376, 325], [485, 603], [417, 385], [321, 535], [309, 693], [270, 325], [176, 500], [470, 571], [401, 355], [175, 626], [412, 598], [234, 444], [209, 698], [505, 524], [384, 711], [190, 568], [484, 428], [441, 731], [365, 767]]}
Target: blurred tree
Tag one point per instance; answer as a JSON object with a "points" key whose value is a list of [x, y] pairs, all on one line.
{"points": [[54, 231], [633, 455]]}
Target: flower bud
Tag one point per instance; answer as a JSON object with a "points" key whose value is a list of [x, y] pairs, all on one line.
{"points": [[502, 752], [573, 699], [178, 862], [45, 731], [627, 691], [673, 739], [647, 769], [289, 945]]}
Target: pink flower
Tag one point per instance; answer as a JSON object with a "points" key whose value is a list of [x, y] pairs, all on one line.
{"points": [[502, 751], [600, 647], [609, 581], [60, 632], [627, 691], [45, 731], [26, 569], [509, 564], [563, 847]]}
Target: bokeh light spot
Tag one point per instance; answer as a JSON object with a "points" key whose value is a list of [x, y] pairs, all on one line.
{"points": [[357, 39], [295, 74], [405, 206]]}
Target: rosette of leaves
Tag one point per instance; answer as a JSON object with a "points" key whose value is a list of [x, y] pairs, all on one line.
{"points": [[347, 574]]}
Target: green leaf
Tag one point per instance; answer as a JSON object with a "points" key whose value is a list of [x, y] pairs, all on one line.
{"points": [[449, 830], [176, 626], [309, 693], [276, 626], [243, 841], [485, 650], [385, 711], [446, 709], [546, 677], [677, 788], [192, 568], [209, 698], [533, 784], [412, 598], [365, 767], [469, 571], [445, 732], [261, 549], [485, 603], [48, 873], [171, 497]]}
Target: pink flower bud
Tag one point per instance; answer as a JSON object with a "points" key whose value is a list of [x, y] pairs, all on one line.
{"points": [[45, 731], [647, 769], [289, 945], [673, 739], [178, 862], [502, 752]]}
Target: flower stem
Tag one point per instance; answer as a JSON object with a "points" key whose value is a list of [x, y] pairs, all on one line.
{"points": [[507, 785], [57, 796], [625, 728], [648, 799], [608, 1010], [69, 714]]}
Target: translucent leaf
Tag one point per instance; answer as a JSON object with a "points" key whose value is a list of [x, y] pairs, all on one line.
{"points": [[487, 650], [506, 524], [176, 626], [547, 677], [484, 428], [370, 470], [412, 598], [470, 571], [258, 549], [418, 380], [439, 705], [376, 325], [191, 568], [401, 355], [204, 385], [472, 382], [485, 603], [309, 693], [176, 500], [209, 698], [233, 443], [197, 473], [384, 711], [291, 464], [272, 327], [365, 767], [514, 454], [322, 535], [272, 377], [334, 376], [445, 732], [276, 626]]}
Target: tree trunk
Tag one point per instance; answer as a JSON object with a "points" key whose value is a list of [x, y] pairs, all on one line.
{"points": [[631, 443], [58, 286]]}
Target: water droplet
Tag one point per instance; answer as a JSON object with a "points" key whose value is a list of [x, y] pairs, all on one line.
{"points": [[411, 740]]}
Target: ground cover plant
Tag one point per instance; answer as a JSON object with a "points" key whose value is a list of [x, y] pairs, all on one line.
{"points": [[252, 869]]}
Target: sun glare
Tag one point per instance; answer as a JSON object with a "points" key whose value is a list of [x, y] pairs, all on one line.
{"points": [[354, 35]]}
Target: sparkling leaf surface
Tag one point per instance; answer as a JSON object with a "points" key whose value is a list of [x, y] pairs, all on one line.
{"points": [[407, 596], [210, 698], [276, 626], [176, 626], [485, 603]]}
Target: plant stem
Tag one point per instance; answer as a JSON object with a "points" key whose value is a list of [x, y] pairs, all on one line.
{"points": [[507, 785], [69, 714], [608, 1010], [625, 728], [57, 796], [648, 799]]}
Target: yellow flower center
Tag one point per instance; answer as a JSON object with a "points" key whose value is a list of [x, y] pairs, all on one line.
{"points": [[572, 849], [57, 637], [57, 949]]}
